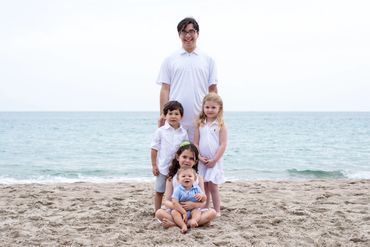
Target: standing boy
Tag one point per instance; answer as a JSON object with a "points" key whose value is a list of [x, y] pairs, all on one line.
{"points": [[187, 76], [165, 143]]}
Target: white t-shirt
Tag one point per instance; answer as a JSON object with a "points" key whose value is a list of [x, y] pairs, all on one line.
{"points": [[189, 76], [166, 141]]}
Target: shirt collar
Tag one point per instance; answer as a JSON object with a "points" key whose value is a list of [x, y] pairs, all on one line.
{"points": [[168, 126], [212, 123], [183, 51], [184, 189]]}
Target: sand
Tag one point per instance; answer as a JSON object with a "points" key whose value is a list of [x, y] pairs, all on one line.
{"points": [[258, 213]]}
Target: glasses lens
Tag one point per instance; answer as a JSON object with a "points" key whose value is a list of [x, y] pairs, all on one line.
{"points": [[191, 32]]}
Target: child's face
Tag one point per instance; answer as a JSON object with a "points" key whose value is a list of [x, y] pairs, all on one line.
{"points": [[186, 178], [211, 109], [186, 159], [173, 118]]}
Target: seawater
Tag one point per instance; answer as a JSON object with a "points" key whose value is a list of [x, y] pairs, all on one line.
{"points": [[115, 146]]}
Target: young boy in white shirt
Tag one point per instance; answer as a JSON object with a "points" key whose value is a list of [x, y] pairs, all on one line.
{"points": [[165, 143]]}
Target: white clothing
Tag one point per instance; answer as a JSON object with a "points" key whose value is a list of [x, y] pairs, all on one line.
{"points": [[166, 141], [209, 142], [189, 76]]}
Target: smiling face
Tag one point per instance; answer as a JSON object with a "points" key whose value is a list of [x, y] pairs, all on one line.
{"points": [[211, 109], [186, 159], [186, 177], [173, 118], [189, 38]]}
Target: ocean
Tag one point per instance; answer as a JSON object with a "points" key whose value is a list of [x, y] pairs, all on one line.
{"points": [[48, 147]]}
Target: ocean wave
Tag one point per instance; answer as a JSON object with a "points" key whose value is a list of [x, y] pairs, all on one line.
{"points": [[316, 173], [53, 180]]}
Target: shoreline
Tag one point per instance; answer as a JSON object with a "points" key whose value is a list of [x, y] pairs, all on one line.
{"points": [[331, 212]]}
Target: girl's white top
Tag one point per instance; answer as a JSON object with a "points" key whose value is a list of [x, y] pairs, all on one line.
{"points": [[209, 142]]}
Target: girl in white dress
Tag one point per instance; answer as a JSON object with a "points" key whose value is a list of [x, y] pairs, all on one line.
{"points": [[186, 156], [211, 138]]}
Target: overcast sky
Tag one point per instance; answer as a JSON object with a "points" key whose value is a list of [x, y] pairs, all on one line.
{"points": [[286, 55]]}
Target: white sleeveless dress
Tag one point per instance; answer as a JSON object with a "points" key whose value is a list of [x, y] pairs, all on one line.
{"points": [[209, 141]]}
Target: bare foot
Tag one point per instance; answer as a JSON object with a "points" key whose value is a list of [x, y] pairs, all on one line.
{"points": [[167, 223], [218, 214], [192, 223], [184, 229]]}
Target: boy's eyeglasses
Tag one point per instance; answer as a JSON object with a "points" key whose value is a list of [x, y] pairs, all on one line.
{"points": [[192, 32]]}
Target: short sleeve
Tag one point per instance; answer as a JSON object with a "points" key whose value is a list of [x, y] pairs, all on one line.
{"points": [[212, 72], [164, 75], [156, 141], [176, 193]]}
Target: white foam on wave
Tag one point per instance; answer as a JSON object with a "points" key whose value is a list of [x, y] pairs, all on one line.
{"points": [[359, 175], [53, 180]]}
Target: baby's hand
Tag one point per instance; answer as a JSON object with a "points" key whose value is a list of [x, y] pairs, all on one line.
{"points": [[199, 197]]}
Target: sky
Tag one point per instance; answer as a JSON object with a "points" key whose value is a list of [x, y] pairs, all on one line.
{"points": [[85, 55]]}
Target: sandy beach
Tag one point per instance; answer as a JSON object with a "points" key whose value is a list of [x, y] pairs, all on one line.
{"points": [[256, 213]]}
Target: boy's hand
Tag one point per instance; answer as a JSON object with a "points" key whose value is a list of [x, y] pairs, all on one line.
{"points": [[155, 170]]}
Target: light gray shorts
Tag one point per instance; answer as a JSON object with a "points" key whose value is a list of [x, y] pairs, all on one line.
{"points": [[160, 183]]}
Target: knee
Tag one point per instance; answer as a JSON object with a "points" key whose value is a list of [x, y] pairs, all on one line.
{"points": [[159, 194], [174, 213], [159, 213], [211, 214]]}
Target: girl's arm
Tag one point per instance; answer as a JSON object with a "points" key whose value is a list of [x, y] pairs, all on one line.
{"points": [[196, 143], [196, 137], [180, 209], [177, 206], [168, 194], [221, 148]]}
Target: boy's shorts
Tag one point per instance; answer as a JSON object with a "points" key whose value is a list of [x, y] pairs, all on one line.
{"points": [[160, 183]]}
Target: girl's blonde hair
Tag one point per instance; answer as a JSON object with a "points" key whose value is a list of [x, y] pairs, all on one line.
{"points": [[220, 116]]}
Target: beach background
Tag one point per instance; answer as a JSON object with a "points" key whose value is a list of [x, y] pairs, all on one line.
{"points": [[84, 179], [79, 106], [115, 146]]}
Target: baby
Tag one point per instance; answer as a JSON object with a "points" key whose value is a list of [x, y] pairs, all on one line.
{"points": [[186, 191]]}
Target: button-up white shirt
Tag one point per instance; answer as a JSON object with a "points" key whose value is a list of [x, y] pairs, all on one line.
{"points": [[167, 141]]}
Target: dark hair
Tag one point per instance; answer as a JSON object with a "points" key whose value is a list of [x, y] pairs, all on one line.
{"points": [[175, 163], [173, 105], [188, 20]]}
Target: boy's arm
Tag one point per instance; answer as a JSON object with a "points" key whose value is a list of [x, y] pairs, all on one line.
{"points": [[153, 157]]}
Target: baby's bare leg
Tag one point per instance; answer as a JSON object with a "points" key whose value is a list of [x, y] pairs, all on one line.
{"points": [[195, 218], [177, 217]]}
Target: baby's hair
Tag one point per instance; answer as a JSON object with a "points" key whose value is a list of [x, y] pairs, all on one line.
{"points": [[175, 166], [173, 105], [182, 169], [202, 116]]}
